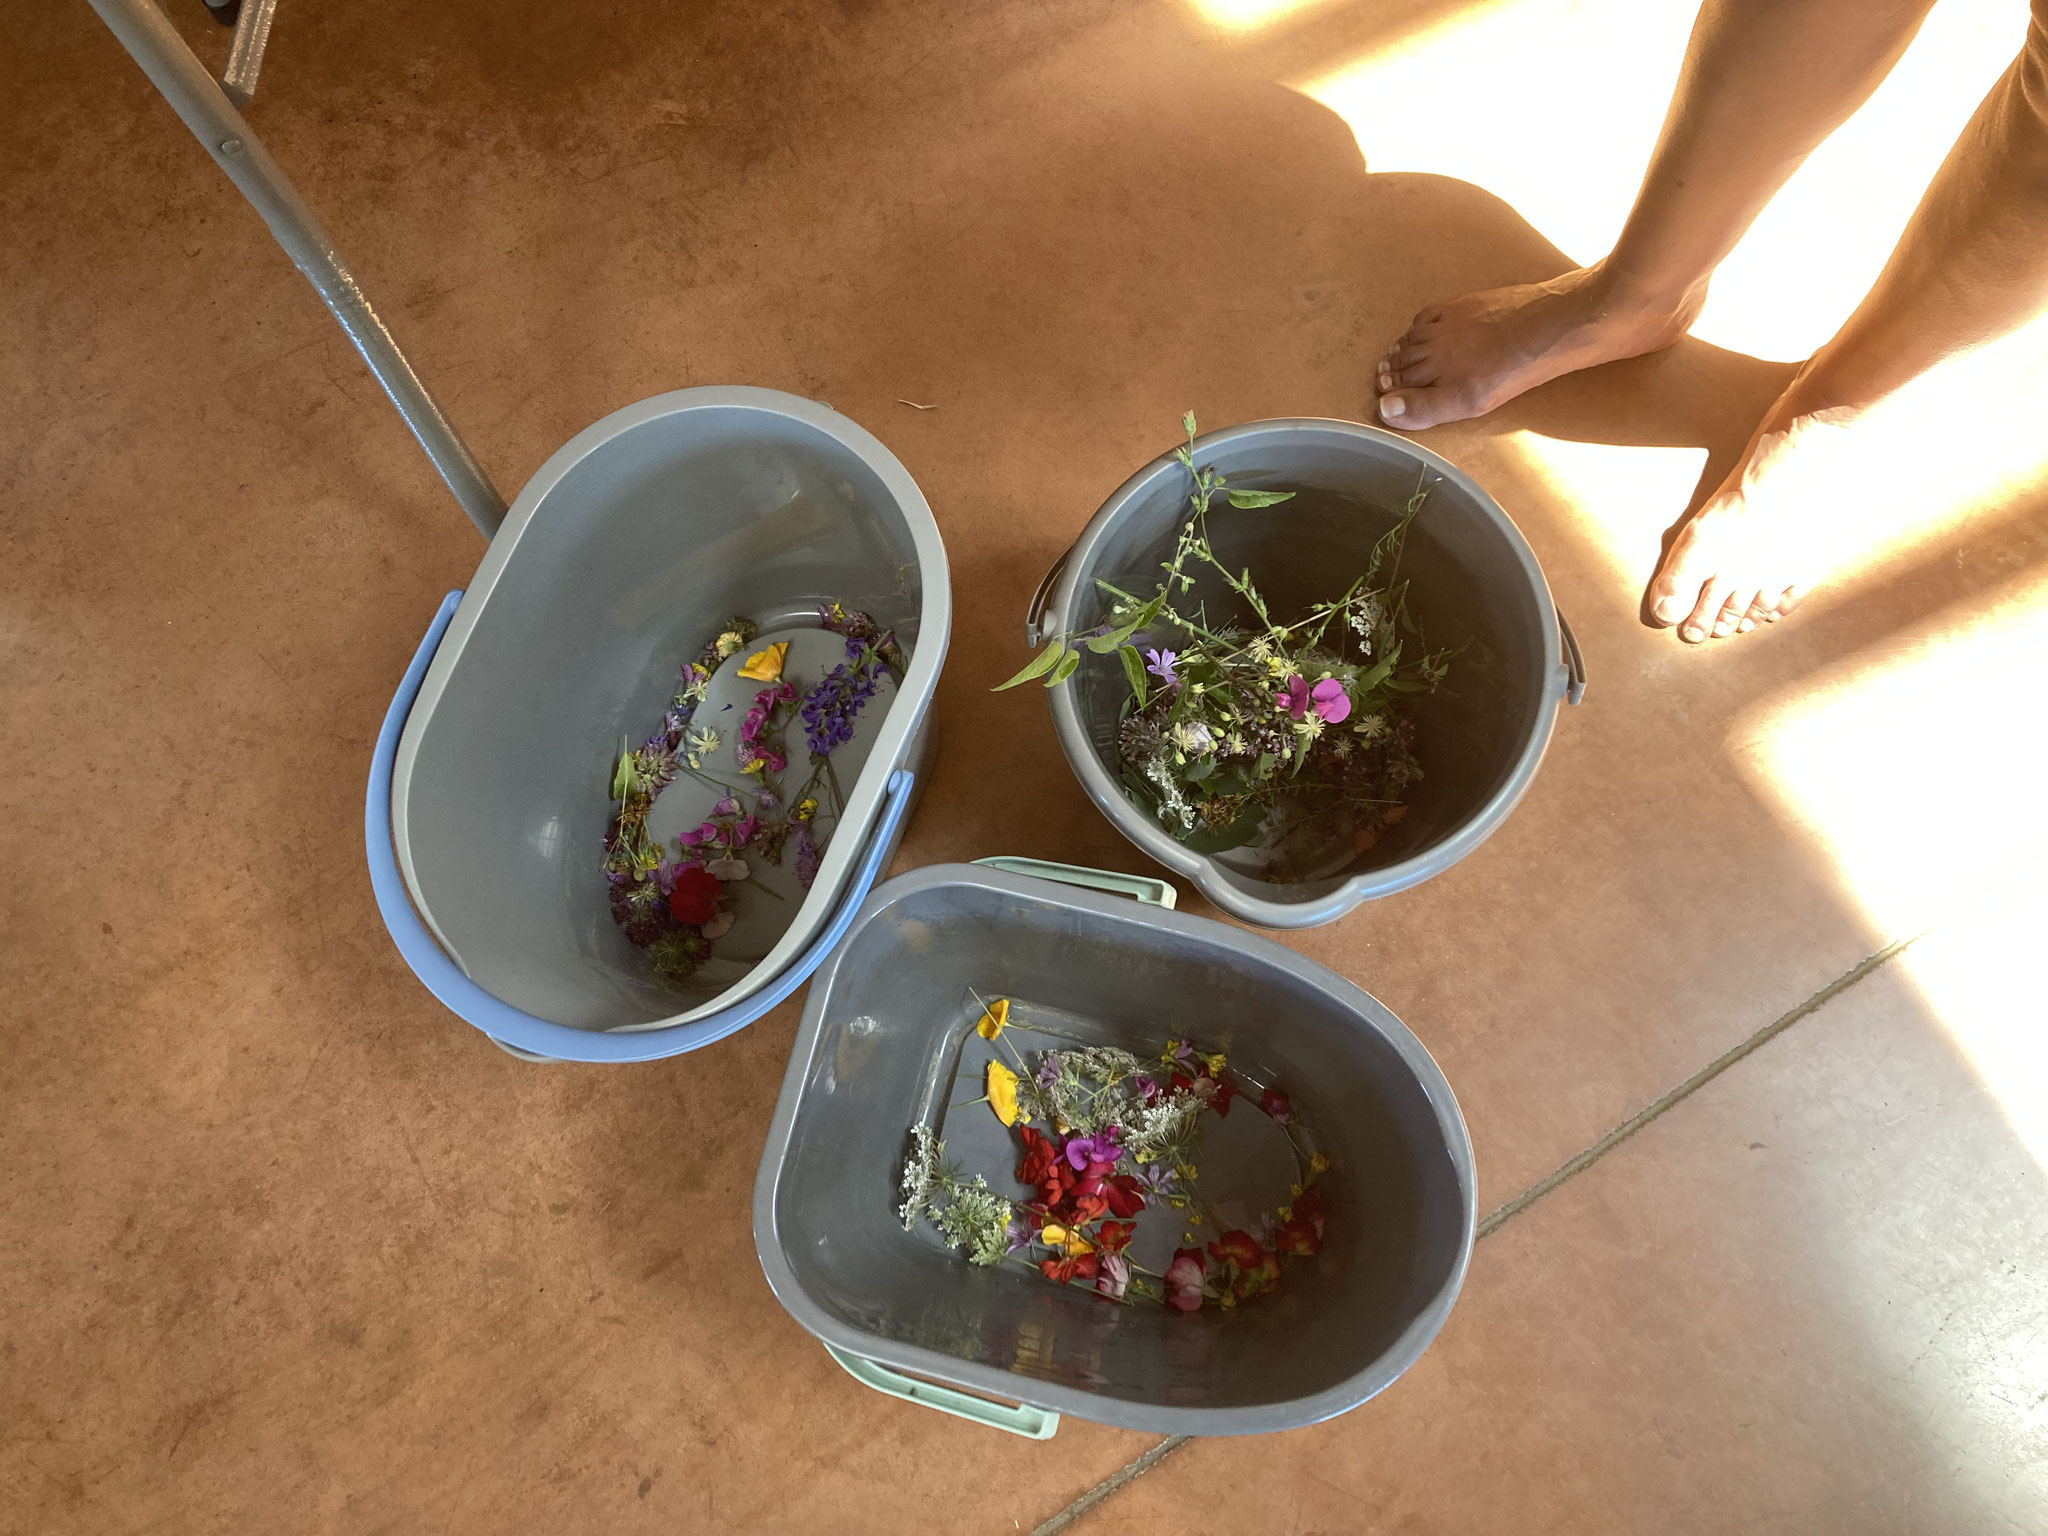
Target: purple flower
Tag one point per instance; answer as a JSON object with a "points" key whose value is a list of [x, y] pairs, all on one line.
{"points": [[1049, 1070], [1157, 1181], [1328, 699], [1017, 1234], [1102, 1147], [768, 801], [1160, 665], [1146, 1086], [806, 857], [829, 708]]}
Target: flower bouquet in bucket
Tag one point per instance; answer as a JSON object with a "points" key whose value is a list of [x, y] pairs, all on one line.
{"points": [[1241, 729], [1113, 1195]]}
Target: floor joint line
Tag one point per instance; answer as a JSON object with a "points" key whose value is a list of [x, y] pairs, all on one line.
{"points": [[1502, 1215]]}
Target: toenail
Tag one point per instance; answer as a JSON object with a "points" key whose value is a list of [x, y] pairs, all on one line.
{"points": [[1393, 406], [1692, 633], [1746, 625]]}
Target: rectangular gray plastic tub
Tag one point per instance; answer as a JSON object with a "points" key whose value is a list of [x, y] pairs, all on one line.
{"points": [[620, 558], [881, 1027]]}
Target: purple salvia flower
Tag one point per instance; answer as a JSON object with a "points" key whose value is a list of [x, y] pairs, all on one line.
{"points": [[1160, 665]]}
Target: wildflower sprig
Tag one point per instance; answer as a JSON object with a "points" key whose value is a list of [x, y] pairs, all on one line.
{"points": [[1234, 730]]}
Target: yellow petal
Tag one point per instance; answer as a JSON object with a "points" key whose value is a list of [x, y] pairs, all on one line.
{"points": [[1216, 1063], [765, 666], [1052, 1234], [1002, 1092], [993, 1020], [1320, 1163]]}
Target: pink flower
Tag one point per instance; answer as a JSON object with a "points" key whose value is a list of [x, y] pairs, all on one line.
{"points": [[1114, 1275], [1328, 699], [1184, 1280]]}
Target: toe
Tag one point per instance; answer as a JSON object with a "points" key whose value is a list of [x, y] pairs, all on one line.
{"points": [[1416, 375], [1706, 612], [1426, 317], [1416, 409], [1730, 616], [1406, 354], [1792, 598], [1679, 580]]}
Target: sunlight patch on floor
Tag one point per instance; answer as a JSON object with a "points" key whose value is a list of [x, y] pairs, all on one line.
{"points": [[1908, 481], [1554, 106], [1917, 772], [1241, 16], [1621, 499]]}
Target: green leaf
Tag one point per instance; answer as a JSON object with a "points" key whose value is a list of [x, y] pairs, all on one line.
{"points": [[1037, 666], [1249, 499], [1134, 672], [1266, 764], [1064, 670], [1222, 839], [1374, 676], [623, 777]]}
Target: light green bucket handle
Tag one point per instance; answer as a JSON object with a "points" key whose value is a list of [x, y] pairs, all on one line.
{"points": [[1158, 893], [1017, 1418]]}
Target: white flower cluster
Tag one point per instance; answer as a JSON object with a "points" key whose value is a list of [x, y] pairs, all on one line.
{"points": [[922, 1174]]}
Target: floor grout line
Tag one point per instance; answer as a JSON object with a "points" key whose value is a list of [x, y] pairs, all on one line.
{"points": [[1570, 1169]]}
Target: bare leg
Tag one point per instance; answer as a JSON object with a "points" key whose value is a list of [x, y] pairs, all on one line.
{"points": [[1971, 266], [1764, 81]]}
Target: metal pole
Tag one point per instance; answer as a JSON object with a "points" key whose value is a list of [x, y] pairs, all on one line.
{"points": [[192, 92]]}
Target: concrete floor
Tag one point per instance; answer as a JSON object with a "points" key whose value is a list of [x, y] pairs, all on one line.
{"points": [[283, 1245]]}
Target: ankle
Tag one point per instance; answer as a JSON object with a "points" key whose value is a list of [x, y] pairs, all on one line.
{"points": [[1651, 301]]}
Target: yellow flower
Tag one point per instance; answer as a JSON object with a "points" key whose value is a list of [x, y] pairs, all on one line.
{"points": [[1053, 1235], [993, 1019], [1295, 1190], [1319, 1163], [765, 666], [806, 808], [1216, 1064], [1002, 1094]]}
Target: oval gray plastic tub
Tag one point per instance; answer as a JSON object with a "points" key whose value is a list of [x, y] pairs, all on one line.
{"points": [[880, 1033], [617, 562], [1475, 583]]}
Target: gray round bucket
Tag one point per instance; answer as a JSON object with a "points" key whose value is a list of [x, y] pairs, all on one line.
{"points": [[1475, 584]]}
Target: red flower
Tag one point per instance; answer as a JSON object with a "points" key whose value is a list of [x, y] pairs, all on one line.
{"points": [[1236, 1247], [1039, 1155], [1111, 1236], [1275, 1104], [1184, 1280], [1302, 1232], [1060, 1271], [1226, 1090], [694, 896], [1088, 1207], [1126, 1196]]}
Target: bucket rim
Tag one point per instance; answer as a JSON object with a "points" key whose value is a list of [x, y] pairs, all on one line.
{"points": [[1120, 1413], [1202, 870]]}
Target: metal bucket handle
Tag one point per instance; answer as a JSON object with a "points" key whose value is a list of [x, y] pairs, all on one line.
{"points": [[510, 1026], [1572, 675]]}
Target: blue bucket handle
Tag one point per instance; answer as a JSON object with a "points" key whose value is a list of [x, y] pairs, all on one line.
{"points": [[499, 1019]]}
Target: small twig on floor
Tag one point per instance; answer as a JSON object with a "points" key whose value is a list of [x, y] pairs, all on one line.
{"points": [[914, 405]]}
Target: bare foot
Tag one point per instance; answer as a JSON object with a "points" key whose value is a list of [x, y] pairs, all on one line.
{"points": [[1478, 352], [1749, 554]]}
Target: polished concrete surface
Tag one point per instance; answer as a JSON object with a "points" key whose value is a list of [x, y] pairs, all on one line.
{"points": [[284, 1245]]}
